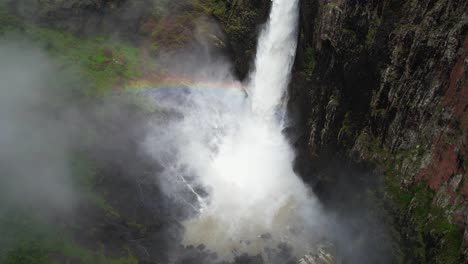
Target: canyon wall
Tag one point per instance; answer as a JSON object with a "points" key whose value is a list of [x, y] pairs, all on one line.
{"points": [[379, 82], [385, 81]]}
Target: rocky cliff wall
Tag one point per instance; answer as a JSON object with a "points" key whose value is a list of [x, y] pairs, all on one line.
{"points": [[381, 81], [385, 81]]}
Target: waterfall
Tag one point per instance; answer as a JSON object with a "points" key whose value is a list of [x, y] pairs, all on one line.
{"points": [[236, 151], [253, 189], [275, 56]]}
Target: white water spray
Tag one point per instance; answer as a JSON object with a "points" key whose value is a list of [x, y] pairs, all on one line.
{"points": [[238, 154], [275, 56]]}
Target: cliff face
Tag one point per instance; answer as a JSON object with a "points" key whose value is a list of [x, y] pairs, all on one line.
{"points": [[385, 81], [380, 81], [241, 22]]}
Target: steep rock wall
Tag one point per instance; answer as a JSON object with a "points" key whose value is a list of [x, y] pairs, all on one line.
{"points": [[241, 21], [385, 81]]}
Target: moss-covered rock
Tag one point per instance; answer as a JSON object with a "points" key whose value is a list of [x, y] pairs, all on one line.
{"points": [[241, 21]]}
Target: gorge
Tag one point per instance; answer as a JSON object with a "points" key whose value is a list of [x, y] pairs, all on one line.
{"points": [[163, 132]]}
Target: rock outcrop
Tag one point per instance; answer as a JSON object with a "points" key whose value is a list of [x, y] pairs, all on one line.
{"points": [[386, 81], [324, 254]]}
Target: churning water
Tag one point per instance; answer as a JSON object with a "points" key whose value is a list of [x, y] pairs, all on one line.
{"points": [[232, 146]]}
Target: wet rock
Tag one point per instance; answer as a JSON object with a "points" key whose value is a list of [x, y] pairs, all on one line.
{"points": [[324, 254]]}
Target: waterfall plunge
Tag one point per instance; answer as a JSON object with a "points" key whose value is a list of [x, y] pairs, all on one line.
{"points": [[275, 56], [253, 190], [233, 148]]}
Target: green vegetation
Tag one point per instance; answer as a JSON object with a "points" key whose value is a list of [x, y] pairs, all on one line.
{"points": [[236, 24], [171, 22], [347, 130], [333, 102], [100, 62], [377, 111], [85, 173], [160, 8], [309, 63], [74, 251], [439, 108], [414, 205], [97, 65], [349, 36], [218, 8], [32, 239], [49, 250], [429, 220], [30, 252], [399, 195], [449, 235], [372, 32], [169, 34], [103, 63], [7, 20]]}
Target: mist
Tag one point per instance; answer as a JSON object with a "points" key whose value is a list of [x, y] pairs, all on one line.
{"points": [[34, 139], [47, 122], [216, 146], [226, 158]]}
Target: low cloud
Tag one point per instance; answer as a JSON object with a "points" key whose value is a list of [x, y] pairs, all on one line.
{"points": [[34, 136]]}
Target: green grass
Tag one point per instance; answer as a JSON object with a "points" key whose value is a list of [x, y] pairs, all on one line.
{"points": [[101, 62], [30, 252], [43, 252], [32, 239], [75, 251]]}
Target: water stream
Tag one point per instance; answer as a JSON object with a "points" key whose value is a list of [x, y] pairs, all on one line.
{"points": [[255, 200]]}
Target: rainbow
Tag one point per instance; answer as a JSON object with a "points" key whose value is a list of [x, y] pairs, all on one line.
{"points": [[175, 82], [166, 93]]}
